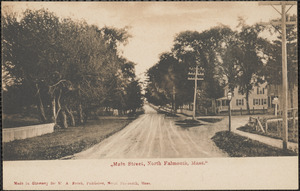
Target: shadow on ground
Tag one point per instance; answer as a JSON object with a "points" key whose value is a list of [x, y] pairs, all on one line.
{"points": [[187, 123], [210, 120], [167, 113]]}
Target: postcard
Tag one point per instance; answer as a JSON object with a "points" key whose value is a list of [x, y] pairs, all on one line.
{"points": [[191, 95]]}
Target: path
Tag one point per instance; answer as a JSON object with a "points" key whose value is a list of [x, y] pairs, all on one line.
{"points": [[154, 135]]}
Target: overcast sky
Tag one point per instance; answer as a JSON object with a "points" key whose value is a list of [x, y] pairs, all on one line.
{"points": [[154, 24]]}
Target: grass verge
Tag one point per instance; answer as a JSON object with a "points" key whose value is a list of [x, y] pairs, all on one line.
{"points": [[272, 132], [188, 123], [63, 142], [211, 120], [239, 146]]}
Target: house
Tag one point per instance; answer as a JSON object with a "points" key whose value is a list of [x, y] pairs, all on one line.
{"points": [[258, 99]]}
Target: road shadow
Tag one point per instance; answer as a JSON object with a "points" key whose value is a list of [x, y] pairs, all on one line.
{"points": [[167, 114], [210, 120], [188, 123]]}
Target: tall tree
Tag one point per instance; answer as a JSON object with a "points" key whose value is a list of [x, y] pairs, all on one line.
{"points": [[273, 67], [248, 56], [69, 65]]}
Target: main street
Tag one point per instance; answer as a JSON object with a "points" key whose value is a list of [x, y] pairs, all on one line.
{"points": [[155, 135]]}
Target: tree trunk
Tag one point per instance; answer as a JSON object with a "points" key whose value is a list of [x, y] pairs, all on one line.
{"points": [[174, 99], [69, 112], [58, 106], [54, 110], [292, 96], [64, 119], [86, 114], [80, 114], [247, 101], [40, 105], [80, 111]]}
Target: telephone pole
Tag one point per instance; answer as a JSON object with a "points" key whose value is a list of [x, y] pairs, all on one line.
{"points": [[198, 76], [284, 99], [195, 94]]}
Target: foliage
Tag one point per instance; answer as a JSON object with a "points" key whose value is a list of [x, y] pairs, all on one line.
{"points": [[228, 58], [246, 55], [273, 68], [190, 48], [71, 65]]}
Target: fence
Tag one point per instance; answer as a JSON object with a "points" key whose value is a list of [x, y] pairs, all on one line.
{"points": [[11, 134], [273, 126]]}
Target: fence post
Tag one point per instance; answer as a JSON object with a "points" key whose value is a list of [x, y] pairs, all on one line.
{"points": [[294, 122], [278, 132], [280, 128], [266, 126]]}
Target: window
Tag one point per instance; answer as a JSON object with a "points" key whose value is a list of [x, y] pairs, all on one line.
{"points": [[265, 101], [256, 101], [259, 101], [239, 102], [260, 91]]}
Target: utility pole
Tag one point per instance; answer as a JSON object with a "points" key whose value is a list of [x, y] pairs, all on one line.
{"points": [[284, 99], [198, 76], [195, 94], [284, 79], [174, 99]]}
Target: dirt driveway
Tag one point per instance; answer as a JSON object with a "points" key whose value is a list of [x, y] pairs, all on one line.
{"points": [[155, 135]]}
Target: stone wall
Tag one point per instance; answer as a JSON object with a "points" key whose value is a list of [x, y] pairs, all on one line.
{"points": [[11, 134]]}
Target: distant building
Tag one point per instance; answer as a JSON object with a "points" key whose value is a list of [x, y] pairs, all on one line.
{"points": [[258, 99]]}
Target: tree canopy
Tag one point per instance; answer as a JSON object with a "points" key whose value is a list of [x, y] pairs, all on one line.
{"points": [[231, 59], [70, 65]]}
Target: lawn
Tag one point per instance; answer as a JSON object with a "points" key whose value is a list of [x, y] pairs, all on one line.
{"points": [[63, 142], [187, 123], [273, 131], [239, 146], [211, 120]]}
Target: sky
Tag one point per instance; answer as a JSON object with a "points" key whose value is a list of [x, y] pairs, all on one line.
{"points": [[153, 25]]}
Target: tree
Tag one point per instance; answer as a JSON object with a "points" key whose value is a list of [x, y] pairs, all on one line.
{"points": [[247, 55], [273, 55], [164, 80], [273, 67], [69, 65], [29, 51], [206, 49], [134, 96]]}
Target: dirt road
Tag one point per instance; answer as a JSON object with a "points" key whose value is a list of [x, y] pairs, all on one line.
{"points": [[155, 135]]}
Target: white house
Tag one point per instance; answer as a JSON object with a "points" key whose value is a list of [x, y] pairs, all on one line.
{"points": [[258, 99]]}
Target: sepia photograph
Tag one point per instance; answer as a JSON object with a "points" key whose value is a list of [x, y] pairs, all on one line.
{"points": [[193, 95]]}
